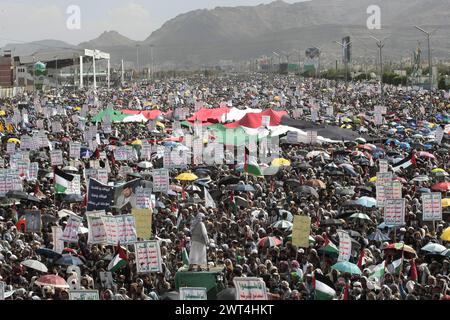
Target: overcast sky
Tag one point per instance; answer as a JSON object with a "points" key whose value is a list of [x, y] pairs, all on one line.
{"points": [[30, 20]]}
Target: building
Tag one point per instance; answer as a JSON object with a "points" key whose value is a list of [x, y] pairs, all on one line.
{"points": [[6, 70]]}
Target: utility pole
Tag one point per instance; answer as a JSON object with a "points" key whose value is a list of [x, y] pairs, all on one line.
{"points": [[122, 76], [137, 59], [430, 64], [151, 61], [279, 59], [345, 46], [380, 45]]}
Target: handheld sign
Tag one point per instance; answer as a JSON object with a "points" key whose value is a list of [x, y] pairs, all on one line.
{"points": [[250, 288], [189, 293], [432, 206]]}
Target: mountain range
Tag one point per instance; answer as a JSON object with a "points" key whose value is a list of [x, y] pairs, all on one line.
{"points": [[202, 37]]}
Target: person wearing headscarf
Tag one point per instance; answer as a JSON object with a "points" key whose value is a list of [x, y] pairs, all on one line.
{"points": [[199, 242]]}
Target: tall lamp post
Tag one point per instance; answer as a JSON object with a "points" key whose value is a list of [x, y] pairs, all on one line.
{"points": [[345, 46], [430, 71], [380, 45], [279, 59]]}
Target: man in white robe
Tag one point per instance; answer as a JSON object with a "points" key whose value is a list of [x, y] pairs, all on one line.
{"points": [[199, 242]]}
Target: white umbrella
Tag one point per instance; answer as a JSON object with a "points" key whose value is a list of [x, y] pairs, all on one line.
{"points": [[433, 247], [145, 164], [34, 264], [70, 169]]}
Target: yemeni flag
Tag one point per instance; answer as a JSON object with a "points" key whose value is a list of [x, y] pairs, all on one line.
{"points": [[406, 162], [62, 181], [251, 165], [119, 260], [323, 287]]}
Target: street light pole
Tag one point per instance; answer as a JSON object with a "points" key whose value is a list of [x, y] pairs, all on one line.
{"points": [[380, 45], [137, 59], [430, 66], [346, 62]]}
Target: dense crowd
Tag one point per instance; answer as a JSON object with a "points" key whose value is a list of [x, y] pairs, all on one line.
{"points": [[249, 233]]}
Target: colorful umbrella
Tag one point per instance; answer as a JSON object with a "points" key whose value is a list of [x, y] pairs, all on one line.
{"points": [[408, 252], [281, 162], [186, 176], [446, 202], [52, 280], [269, 242], [441, 186], [347, 267], [446, 234]]}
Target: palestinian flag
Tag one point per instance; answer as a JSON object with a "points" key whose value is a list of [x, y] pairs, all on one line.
{"points": [[396, 266], [323, 287], [378, 272], [251, 165], [405, 163], [119, 260], [62, 181]]}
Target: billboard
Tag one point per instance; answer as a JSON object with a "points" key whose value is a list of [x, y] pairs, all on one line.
{"points": [[312, 59], [346, 49]]}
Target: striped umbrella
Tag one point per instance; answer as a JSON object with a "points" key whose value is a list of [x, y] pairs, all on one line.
{"points": [[269, 242]]}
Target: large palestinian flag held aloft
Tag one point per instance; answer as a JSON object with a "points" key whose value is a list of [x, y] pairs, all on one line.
{"points": [[62, 181], [323, 287]]}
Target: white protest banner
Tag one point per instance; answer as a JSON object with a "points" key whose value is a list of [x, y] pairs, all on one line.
{"points": [[439, 134], [218, 153], [70, 233], [120, 229], [10, 147], [96, 233], [314, 115], [191, 293], [384, 177], [330, 111], [345, 246], [146, 151], [120, 154], [143, 198], [56, 127], [74, 185], [250, 288], [56, 157], [33, 171], [74, 150], [384, 165], [432, 206], [378, 119], [26, 142], [161, 180], [58, 245], [148, 256], [84, 295], [311, 137], [292, 137], [198, 151], [102, 176], [23, 168], [394, 212], [265, 121]]}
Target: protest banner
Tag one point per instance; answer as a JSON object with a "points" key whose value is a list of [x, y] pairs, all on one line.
{"points": [[125, 194], [96, 233], [10, 147], [345, 246], [102, 176], [84, 295], [70, 233], [146, 151], [394, 212], [432, 206], [161, 180], [265, 121], [33, 221], [74, 150], [301, 231], [100, 196], [56, 157], [191, 293], [74, 186], [148, 256], [384, 165], [143, 220], [33, 171], [58, 245], [143, 196], [330, 111], [119, 229], [311, 137], [250, 288], [121, 153], [23, 168]]}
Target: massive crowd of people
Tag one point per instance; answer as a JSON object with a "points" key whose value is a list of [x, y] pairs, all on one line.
{"points": [[246, 233]]}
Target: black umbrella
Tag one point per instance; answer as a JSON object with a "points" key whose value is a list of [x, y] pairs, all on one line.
{"points": [[229, 180], [292, 182], [72, 198], [17, 195]]}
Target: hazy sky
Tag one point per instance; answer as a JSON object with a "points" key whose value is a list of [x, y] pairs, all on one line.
{"points": [[30, 20]]}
